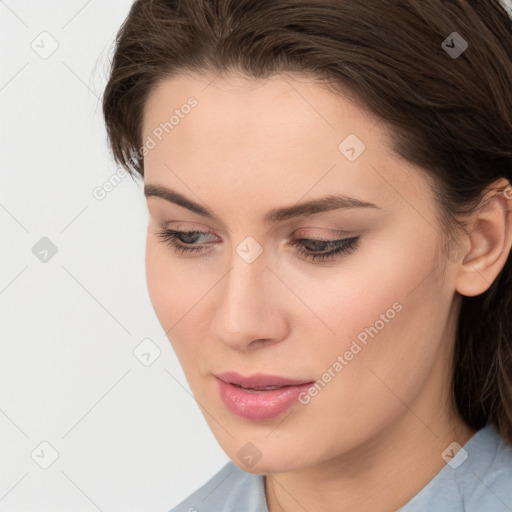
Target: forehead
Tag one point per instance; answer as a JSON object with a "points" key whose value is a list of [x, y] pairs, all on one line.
{"points": [[278, 136], [290, 106]]}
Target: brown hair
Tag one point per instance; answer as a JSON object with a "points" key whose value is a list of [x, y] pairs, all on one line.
{"points": [[450, 115]]}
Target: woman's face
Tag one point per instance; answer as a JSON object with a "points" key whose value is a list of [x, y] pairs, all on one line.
{"points": [[372, 326]]}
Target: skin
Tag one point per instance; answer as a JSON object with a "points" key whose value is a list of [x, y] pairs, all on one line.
{"points": [[373, 437]]}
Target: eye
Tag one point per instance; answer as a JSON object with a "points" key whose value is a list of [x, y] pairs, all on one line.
{"points": [[341, 246], [309, 249], [182, 241]]}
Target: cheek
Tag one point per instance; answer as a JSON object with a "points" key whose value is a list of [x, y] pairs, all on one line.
{"points": [[389, 319], [171, 289], [176, 292], [166, 285], [367, 294], [159, 282]]}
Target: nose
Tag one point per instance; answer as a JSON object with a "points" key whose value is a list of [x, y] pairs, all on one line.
{"points": [[249, 306]]}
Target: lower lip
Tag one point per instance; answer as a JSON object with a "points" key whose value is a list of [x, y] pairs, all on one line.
{"points": [[259, 405]]}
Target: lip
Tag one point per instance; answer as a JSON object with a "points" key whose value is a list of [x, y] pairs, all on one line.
{"points": [[258, 380], [256, 404]]}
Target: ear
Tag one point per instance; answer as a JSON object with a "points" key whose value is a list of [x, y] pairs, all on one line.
{"points": [[489, 236]]}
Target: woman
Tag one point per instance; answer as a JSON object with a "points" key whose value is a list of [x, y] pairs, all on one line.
{"points": [[329, 238]]}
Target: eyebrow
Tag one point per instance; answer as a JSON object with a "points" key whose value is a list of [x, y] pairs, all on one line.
{"points": [[324, 204]]}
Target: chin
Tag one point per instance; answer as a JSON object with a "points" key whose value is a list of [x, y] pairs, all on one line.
{"points": [[266, 467], [267, 458]]}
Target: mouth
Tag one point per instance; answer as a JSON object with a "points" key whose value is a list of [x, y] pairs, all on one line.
{"points": [[261, 388], [259, 380], [260, 396]]}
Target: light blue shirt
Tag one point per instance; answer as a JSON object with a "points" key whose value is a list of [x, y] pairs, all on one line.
{"points": [[477, 479]]}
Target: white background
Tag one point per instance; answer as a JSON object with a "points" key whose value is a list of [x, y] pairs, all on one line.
{"points": [[129, 437]]}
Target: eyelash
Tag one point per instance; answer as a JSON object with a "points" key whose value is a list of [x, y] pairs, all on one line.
{"points": [[345, 245]]}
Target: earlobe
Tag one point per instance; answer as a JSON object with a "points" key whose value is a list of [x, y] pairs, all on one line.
{"points": [[490, 241]]}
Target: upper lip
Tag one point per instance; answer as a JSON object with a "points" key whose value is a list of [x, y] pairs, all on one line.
{"points": [[258, 380]]}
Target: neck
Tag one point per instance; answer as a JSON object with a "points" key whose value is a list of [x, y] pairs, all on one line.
{"points": [[382, 475]]}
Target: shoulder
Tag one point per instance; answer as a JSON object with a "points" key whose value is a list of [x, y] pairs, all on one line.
{"points": [[478, 478], [489, 474], [229, 490]]}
